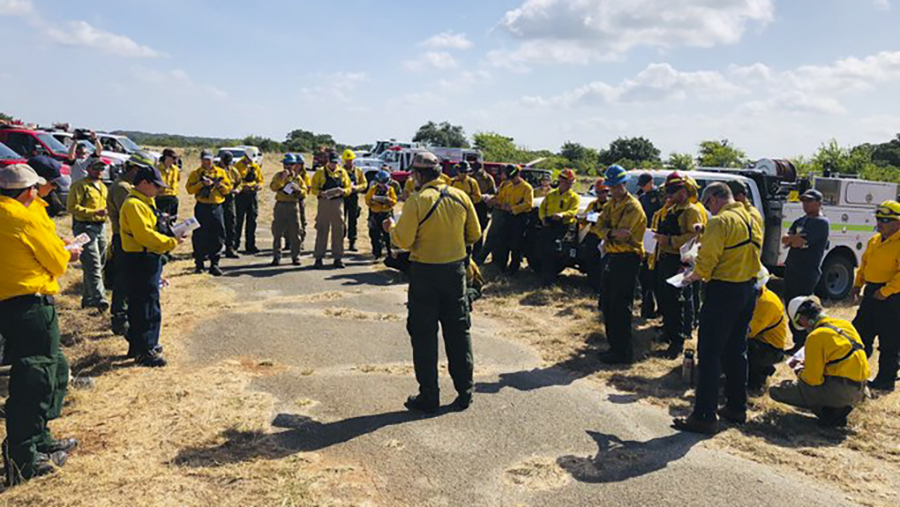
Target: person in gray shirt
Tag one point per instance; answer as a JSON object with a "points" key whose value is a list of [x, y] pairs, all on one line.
{"points": [[807, 239]]}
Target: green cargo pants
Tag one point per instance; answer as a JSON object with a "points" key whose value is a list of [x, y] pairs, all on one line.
{"points": [[38, 377], [437, 294]]}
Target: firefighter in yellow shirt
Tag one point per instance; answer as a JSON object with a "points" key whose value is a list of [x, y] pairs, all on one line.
{"points": [[143, 247], [621, 227], [557, 214], [229, 207], [545, 187], [767, 336], [290, 190], [330, 185], [381, 200], [246, 204], [437, 226], [352, 209], [167, 200], [467, 183], [87, 204], [516, 200], [210, 184], [878, 283], [33, 260], [831, 378], [729, 264], [739, 190], [681, 224]]}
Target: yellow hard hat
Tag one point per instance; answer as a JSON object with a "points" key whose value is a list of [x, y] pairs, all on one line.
{"points": [[348, 155], [889, 210]]}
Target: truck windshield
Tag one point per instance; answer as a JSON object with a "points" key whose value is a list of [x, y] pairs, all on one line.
{"points": [[7, 154], [129, 145], [51, 143]]}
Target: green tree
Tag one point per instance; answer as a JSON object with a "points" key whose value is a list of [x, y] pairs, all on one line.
{"points": [[300, 140], [5, 117], [887, 154], [681, 161], [263, 143], [442, 134], [720, 154], [578, 157], [637, 150], [496, 147]]}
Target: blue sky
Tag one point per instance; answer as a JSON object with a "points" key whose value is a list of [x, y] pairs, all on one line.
{"points": [[777, 77]]}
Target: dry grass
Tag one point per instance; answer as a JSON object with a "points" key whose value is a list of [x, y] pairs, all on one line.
{"points": [[135, 423], [563, 324]]}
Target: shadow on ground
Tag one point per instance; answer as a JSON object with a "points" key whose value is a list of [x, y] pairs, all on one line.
{"points": [[620, 460], [304, 434]]}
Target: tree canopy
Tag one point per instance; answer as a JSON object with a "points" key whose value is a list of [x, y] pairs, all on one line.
{"points": [[442, 134], [633, 151], [720, 154]]}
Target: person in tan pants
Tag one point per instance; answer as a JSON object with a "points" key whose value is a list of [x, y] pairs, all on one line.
{"points": [[330, 184], [290, 188]]}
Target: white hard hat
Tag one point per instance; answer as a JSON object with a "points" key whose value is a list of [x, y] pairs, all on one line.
{"points": [[799, 306]]}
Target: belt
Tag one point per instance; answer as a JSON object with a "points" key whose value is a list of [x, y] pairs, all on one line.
{"points": [[29, 299]]}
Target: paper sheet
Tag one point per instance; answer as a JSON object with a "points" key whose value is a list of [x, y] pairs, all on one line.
{"points": [[184, 228], [649, 241], [592, 217], [79, 242], [689, 251], [678, 280], [290, 188], [798, 360]]}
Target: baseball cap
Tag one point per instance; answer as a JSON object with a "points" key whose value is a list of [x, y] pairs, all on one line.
{"points": [[150, 174], [811, 195], [206, 155], [169, 152], [334, 158], [19, 176], [644, 178], [738, 188], [425, 160]]}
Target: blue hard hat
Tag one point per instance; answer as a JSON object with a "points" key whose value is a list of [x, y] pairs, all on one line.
{"points": [[289, 159], [615, 175], [383, 176]]}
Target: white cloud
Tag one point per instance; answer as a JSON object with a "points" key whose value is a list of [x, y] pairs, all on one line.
{"points": [[464, 81], [440, 60], [16, 8], [82, 34], [177, 81], [584, 31], [659, 82], [338, 86], [856, 74], [448, 40], [794, 102], [884, 5]]}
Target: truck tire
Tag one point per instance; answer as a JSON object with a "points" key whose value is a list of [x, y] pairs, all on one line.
{"points": [[837, 277]]}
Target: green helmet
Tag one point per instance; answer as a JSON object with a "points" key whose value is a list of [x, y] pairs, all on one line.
{"points": [[141, 159]]}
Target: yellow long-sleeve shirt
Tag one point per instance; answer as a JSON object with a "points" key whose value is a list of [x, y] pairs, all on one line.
{"points": [[409, 187], [689, 218], [518, 195], [755, 214], [468, 185], [729, 247], [137, 225], [358, 182], [325, 179], [562, 203], [33, 255], [824, 345], [769, 324], [282, 179], [39, 208], [216, 193], [253, 181], [881, 264], [118, 192], [442, 238], [86, 198], [542, 191], [486, 183], [381, 205], [624, 213], [234, 176], [172, 178]]}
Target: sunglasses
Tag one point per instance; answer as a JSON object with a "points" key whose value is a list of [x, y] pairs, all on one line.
{"points": [[884, 220], [673, 190]]}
